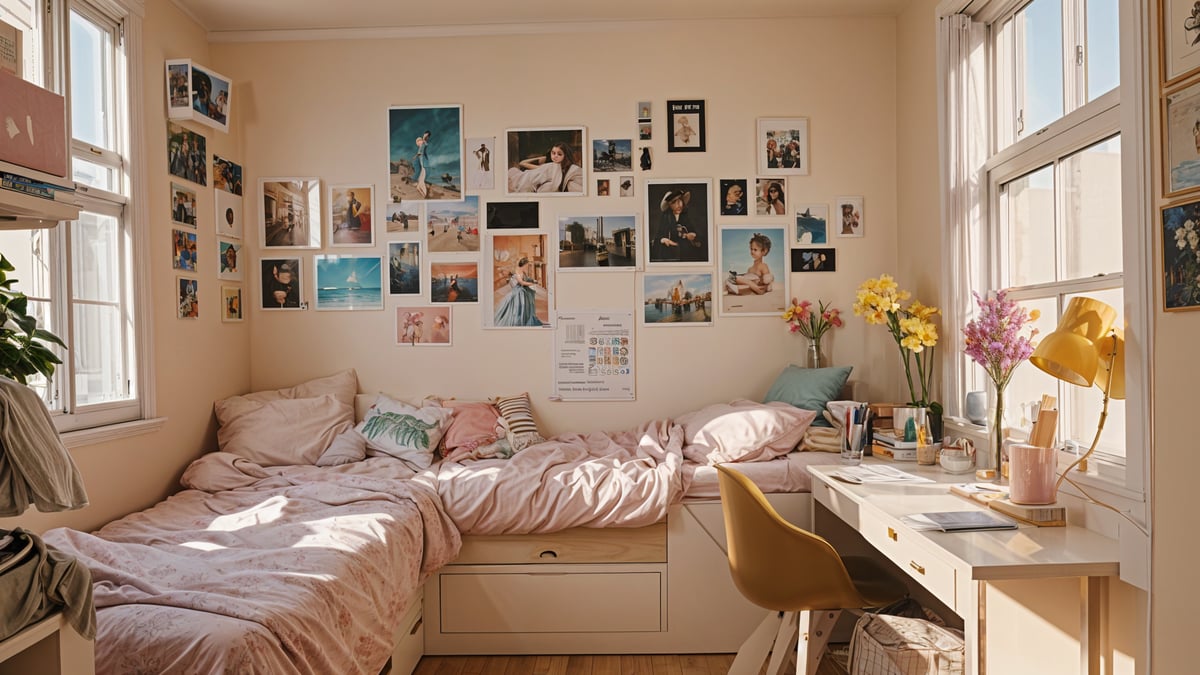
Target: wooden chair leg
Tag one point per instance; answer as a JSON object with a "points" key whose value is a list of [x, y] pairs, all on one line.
{"points": [[785, 642], [754, 650], [820, 626]]}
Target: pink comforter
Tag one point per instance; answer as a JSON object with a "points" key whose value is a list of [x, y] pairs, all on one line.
{"points": [[600, 479], [280, 570]]}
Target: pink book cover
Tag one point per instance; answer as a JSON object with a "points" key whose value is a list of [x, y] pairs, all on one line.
{"points": [[32, 126]]}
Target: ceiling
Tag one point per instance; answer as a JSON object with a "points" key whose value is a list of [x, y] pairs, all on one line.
{"points": [[285, 15]]}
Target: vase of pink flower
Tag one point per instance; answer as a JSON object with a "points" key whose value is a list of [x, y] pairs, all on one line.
{"points": [[999, 338], [812, 323]]}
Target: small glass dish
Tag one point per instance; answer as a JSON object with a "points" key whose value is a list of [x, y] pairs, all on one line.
{"points": [[956, 460]]}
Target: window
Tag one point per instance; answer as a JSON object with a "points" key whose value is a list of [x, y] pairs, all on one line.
{"points": [[80, 275]]}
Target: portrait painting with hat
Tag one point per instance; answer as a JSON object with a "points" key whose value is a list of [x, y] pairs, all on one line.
{"points": [[678, 221]]}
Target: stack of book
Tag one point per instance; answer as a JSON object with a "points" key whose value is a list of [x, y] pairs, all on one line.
{"points": [[887, 444], [30, 194]]}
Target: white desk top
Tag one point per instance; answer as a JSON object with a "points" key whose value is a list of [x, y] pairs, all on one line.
{"points": [[1024, 553]]}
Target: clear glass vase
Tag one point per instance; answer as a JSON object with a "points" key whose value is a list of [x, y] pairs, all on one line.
{"points": [[815, 358], [996, 434]]}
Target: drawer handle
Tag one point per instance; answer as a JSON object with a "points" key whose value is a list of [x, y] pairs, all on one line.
{"points": [[416, 626], [919, 568], [547, 554], [892, 535]]}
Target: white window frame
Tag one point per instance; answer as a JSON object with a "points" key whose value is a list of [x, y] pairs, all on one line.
{"points": [[1124, 486]]}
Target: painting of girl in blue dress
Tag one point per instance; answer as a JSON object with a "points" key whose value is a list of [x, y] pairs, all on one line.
{"points": [[519, 307], [521, 288]]}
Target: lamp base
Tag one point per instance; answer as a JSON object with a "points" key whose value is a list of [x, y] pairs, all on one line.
{"points": [[1042, 515]]}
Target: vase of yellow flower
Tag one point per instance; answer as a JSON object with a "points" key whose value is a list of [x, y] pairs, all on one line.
{"points": [[880, 301], [812, 324]]}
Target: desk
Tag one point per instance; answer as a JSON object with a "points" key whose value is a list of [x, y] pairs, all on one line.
{"points": [[956, 567]]}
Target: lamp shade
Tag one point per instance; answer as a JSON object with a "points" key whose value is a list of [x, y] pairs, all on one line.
{"points": [[1070, 353]]}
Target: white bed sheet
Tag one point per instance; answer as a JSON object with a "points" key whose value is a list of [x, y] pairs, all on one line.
{"points": [[788, 473]]}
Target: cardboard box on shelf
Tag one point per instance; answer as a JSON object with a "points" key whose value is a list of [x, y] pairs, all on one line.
{"points": [[34, 126]]}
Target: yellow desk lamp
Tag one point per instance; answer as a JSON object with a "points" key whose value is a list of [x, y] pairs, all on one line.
{"points": [[1084, 349]]}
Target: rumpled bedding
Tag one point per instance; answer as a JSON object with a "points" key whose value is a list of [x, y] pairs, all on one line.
{"points": [[268, 570], [600, 479]]}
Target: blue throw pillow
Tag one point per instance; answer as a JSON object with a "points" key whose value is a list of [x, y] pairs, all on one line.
{"points": [[809, 388]]}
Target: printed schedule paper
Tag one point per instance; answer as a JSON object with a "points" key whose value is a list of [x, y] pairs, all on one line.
{"points": [[593, 356]]}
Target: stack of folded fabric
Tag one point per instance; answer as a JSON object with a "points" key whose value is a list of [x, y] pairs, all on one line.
{"points": [[822, 439]]}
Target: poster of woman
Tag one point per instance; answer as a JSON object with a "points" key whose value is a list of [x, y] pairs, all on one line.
{"points": [[425, 153], [546, 161], [520, 282]]}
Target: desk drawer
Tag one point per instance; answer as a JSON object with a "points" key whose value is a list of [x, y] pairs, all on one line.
{"points": [[903, 547]]}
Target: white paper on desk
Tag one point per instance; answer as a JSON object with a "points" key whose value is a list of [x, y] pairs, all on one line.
{"points": [[874, 473]]}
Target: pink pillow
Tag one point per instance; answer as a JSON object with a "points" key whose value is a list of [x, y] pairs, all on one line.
{"points": [[743, 431], [475, 427]]}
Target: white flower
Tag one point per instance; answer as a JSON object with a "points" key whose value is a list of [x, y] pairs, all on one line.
{"points": [[1193, 239]]}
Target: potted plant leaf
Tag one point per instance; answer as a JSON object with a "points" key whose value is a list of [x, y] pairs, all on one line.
{"points": [[24, 348]]}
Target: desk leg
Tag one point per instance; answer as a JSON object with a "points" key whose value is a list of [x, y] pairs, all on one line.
{"points": [[1093, 629], [974, 616]]}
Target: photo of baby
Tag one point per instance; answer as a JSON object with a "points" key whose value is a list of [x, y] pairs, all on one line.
{"points": [[754, 268]]}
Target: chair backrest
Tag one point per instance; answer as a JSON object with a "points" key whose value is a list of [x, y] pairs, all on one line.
{"points": [[774, 563]]}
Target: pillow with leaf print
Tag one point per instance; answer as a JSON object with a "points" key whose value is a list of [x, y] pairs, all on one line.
{"points": [[405, 432]]}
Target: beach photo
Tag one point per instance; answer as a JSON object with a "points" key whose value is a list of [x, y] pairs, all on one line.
{"points": [[423, 326], [291, 212], [453, 281], [425, 153], [546, 161], [404, 268], [345, 282], [453, 227], [679, 299], [350, 220], [597, 243], [753, 264], [812, 224]]}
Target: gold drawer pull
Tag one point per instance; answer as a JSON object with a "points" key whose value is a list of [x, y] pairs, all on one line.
{"points": [[548, 554], [919, 568], [892, 535]]}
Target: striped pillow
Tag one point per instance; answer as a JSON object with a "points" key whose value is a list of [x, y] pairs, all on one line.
{"points": [[516, 412]]}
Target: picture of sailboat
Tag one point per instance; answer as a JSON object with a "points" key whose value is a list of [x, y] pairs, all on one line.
{"points": [[349, 282], [352, 280]]}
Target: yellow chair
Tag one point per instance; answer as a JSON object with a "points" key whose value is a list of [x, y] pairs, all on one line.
{"points": [[791, 572]]}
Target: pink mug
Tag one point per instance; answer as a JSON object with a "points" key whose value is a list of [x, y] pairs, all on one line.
{"points": [[1032, 474]]}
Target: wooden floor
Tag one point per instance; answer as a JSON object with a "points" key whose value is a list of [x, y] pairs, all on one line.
{"points": [[603, 664]]}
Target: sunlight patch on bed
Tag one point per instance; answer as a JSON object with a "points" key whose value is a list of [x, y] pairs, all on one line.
{"points": [[266, 511]]}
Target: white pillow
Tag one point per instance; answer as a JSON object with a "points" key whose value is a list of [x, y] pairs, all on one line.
{"points": [[743, 431], [347, 448], [283, 431], [398, 429]]}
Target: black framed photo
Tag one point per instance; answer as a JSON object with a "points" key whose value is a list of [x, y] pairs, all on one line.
{"points": [[814, 260], [686, 119], [512, 216]]}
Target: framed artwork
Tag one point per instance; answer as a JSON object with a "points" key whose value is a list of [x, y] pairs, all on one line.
{"points": [[753, 264], [227, 175], [404, 268], [454, 226], [183, 250], [597, 243], [281, 284], [625, 185], [480, 175], [812, 224], [350, 215], [453, 281], [228, 215], [229, 256], [231, 303], [403, 217], [770, 196], [512, 216], [291, 212], [1181, 135], [679, 299], [852, 222], [187, 154], [348, 282], [645, 131], [686, 122], [187, 298], [1181, 256], [518, 291], [733, 196], [782, 144], [547, 161], [612, 154], [814, 260], [198, 93], [678, 221], [425, 152], [602, 187], [183, 205], [1180, 55], [423, 326], [643, 111]]}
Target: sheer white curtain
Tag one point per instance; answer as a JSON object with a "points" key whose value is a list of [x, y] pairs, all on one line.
{"points": [[962, 112]]}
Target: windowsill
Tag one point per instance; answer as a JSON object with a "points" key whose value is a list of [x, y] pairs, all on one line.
{"points": [[111, 432]]}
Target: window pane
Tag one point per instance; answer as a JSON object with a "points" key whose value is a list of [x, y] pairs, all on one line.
{"points": [[1092, 210], [1030, 225], [94, 175], [1028, 382], [24, 15], [99, 354], [95, 258], [27, 250], [1083, 405], [1103, 40], [1040, 71], [91, 47]]}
